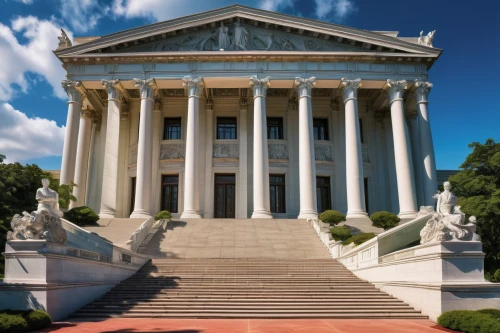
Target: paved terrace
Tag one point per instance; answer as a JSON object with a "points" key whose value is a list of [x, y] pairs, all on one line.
{"points": [[237, 238]]}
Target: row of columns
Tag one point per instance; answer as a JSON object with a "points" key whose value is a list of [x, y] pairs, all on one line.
{"points": [[74, 165]]}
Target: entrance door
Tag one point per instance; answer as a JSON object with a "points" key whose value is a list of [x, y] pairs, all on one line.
{"points": [[323, 193], [225, 193]]}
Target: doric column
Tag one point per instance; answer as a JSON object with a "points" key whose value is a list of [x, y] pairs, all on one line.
{"points": [[209, 147], [82, 158], [142, 203], [427, 160], [354, 158], [71, 134], [191, 160], [406, 186], [307, 160], [243, 172], [411, 120], [261, 203], [111, 148]]}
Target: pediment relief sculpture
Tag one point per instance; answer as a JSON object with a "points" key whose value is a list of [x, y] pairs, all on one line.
{"points": [[242, 37]]}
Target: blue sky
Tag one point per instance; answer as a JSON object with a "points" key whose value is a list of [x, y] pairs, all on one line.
{"points": [[464, 103]]}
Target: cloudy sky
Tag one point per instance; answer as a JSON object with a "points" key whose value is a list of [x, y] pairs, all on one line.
{"points": [[464, 102]]}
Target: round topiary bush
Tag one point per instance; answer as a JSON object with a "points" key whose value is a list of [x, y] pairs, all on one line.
{"points": [[332, 216], [340, 233], [359, 238], [81, 216], [13, 323], [163, 215], [493, 312], [469, 321], [37, 319], [385, 220]]}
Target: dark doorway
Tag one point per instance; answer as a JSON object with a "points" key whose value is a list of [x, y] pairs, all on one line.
{"points": [[365, 184], [277, 193], [225, 196], [170, 193], [323, 193], [132, 194]]}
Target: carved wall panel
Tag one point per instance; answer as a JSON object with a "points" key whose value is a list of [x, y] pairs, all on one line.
{"points": [[323, 152], [278, 151], [221, 92], [132, 155], [172, 150], [365, 153], [226, 150]]}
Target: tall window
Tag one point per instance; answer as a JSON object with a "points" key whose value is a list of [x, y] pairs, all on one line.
{"points": [[226, 128], [170, 193], [275, 128], [361, 131], [365, 184], [172, 129], [320, 129], [277, 192]]}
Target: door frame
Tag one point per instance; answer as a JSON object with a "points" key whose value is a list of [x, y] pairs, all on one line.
{"points": [[215, 193]]}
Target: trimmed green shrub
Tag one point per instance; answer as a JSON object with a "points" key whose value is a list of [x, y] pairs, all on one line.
{"points": [[493, 312], [359, 238], [163, 215], [81, 216], [11, 323], [469, 321], [385, 220], [37, 319], [332, 216], [340, 233]]}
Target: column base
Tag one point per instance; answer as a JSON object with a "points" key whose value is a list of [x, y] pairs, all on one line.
{"points": [[107, 215], [356, 215], [190, 214], [140, 214], [407, 215], [308, 215], [262, 215]]}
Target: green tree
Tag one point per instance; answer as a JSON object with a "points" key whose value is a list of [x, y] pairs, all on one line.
{"points": [[18, 185], [477, 187]]}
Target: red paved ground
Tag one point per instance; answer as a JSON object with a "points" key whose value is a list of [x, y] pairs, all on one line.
{"points": [[119, 325]]}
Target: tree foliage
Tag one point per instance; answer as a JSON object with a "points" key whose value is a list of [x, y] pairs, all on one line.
{"points": [[477, 188]]}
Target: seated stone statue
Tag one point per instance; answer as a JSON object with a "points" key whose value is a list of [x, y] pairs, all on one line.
{"points": [[44, 223]]}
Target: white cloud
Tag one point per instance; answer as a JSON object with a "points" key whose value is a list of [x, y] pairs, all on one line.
{"points": [[34, 56], [339, 9], [82, 15], [274, 5], [23, 138], [159, 10], [26, 2]]}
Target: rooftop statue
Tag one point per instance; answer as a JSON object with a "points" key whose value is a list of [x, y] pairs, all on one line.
{"points": [[426, 40], [448, 222], [64, 40], [44, 223]]}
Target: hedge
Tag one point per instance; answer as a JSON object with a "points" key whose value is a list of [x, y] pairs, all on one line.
{"points": [[332, 216], [359, 238], [23, 321], [341, 233], [81, 216], [163, 215], [470, 321], [385, 220]]}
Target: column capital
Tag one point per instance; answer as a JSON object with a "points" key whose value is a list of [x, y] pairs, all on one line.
{"points": [[260, 86], [193, 85], [157, 103], [124, 111], [243, 103], [395, 89], [113, 92], [422, 89], [86, 113], [209, 104], [410, 114], [304, 86], [146, 87], [71, 88], [293, 103], [350, 88]]}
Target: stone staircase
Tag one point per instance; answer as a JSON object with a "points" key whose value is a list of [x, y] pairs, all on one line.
{"points": [[246, 288]]}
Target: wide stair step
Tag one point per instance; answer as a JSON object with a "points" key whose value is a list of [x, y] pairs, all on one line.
{"points": [[246, 288]]}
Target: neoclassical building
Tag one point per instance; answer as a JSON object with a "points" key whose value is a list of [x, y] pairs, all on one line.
{"points": [[244, 113]]}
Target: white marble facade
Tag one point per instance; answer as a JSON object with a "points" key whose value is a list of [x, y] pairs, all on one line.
{"points": [[366, 91]]}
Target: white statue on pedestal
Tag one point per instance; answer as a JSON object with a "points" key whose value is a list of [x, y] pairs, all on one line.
{"points": [[448, 223], [44, 223]]}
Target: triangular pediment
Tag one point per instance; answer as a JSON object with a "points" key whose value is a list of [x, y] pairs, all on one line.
{"points": [[238, 28]]}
